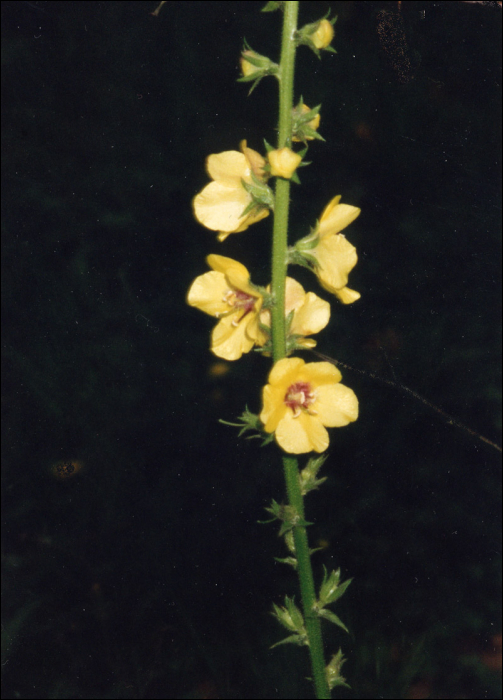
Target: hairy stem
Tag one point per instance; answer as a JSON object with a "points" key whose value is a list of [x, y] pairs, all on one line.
{"points": [[279, 269]]}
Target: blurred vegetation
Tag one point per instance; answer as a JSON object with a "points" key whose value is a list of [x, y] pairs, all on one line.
{"points": [[133, 563]]}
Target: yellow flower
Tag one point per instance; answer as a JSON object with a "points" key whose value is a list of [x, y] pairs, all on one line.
{"points": [[324, 34], [227, 294], [284, 162], [335, 256], [220, 205], [313, 123], [310, 313], [301, 399]]}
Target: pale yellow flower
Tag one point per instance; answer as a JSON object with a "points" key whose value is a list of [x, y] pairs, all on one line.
{"points": [[323, 36], [301, 400], [284, 162], [220, 205], [310, 313], [227, 294], [334, 254]]}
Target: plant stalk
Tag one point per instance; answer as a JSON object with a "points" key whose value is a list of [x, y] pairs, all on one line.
{"points": [[279, 270]]}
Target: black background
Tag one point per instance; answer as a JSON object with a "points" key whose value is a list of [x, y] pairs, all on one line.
{"points": [[145, 574]]}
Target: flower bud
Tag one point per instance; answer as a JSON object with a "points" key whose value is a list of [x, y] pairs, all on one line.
{"points": [[305, 123], [323, 35], [255, 66], [317, 35], [284, 162]]}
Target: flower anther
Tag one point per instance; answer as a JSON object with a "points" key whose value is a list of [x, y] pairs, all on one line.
{"points": [[300, 396]]}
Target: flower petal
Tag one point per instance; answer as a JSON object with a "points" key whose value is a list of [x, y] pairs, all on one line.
{"points": [[274, 407], [302, 434], [319, 373], [220, 207], [312, 316], [336, 405], [284, 371], [236, 274], [346, 295], [207, 293], [294, 295], [337, 216], [230, 341], [336, 257], [229, 167]]}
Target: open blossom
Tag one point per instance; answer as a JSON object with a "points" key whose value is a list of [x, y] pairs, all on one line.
{"points": [[310, 313], [335, 257], [301, 400], [220, 206], [227, 294]]}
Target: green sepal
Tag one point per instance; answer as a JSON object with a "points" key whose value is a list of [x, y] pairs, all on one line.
{"points": [[309, 477], [307, 131], [263, 64], [288, 515], [295, 341], [333, 671], [246, 80], [291, 561], [290, 543], [272, 6], [268, 146], [288, 320], [290, 617], [310, 241], [332, 617], [303, 35], [300, 121], [293, 639], [295, 177], [250, 421], [295, 257], [262, 195], [330, 590]]}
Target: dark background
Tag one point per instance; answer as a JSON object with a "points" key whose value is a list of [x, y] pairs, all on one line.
{"points": [[134, 566]]}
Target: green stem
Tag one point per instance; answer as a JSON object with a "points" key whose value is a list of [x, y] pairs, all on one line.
{"points": [[282, 195], [279, 269], [306, 581]]}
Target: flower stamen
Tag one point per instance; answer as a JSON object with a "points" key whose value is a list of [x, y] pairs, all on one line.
{"points": [[238, 301], [300, 396]]}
